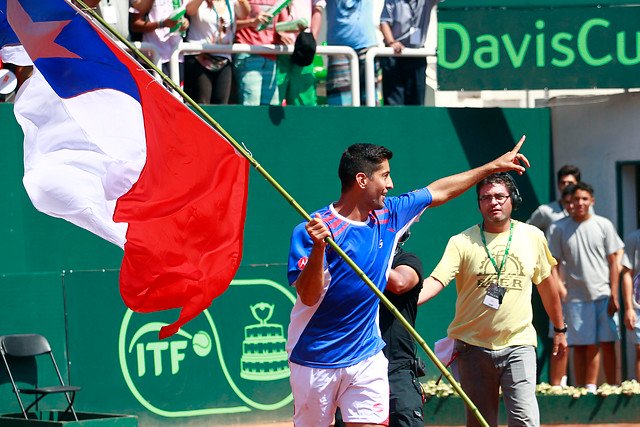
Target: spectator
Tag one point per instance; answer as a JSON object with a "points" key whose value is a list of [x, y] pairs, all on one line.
{"points": [[208, 76], [404, 23], [494, 264], [587, 244], [114, 12], [152, 19], [349, 23], [257, 74], [334, 344], [631, 291], [542, 218], [296, 82], [403, 287], [544, 215]]}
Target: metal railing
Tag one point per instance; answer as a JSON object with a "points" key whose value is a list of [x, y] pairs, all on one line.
{"points": [[192, 48], [369, 67]]}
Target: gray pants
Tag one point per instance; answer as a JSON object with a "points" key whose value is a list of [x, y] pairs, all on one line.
{"points": [[483, 372]]}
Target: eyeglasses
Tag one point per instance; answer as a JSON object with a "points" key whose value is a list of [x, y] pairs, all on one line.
{"points": [[500, 198]]}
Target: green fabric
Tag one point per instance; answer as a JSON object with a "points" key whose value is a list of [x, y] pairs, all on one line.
{"points": [[296, 84]]}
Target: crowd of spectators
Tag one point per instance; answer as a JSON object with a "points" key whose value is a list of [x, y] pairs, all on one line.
{"points": [[262, 79], [269, 79], [590, 258]]}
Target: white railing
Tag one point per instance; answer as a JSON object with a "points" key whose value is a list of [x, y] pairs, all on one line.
{"points": [[191, 48], [369, 67]]}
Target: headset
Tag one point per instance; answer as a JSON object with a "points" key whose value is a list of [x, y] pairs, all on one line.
{"points": [[516, 198]]}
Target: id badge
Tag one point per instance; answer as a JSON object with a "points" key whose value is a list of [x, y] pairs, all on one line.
{"points": [[494, 296], [109, 13], [415, 36]]}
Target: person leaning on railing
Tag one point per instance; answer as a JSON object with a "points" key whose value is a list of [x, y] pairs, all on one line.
{"points": [[153, 18], [404, 24], [296, 82], [208, 76], [256, 74]]}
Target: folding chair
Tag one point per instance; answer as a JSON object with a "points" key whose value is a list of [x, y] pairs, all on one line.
{"points": [[19, 348]]}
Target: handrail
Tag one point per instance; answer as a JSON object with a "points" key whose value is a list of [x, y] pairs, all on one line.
{"points": [[369, 70], [269, 49]]}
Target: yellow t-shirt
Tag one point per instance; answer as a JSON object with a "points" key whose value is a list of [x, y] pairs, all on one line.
{"points": [[466, 261]]}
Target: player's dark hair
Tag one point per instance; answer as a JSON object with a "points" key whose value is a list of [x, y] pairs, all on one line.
{"points": [[505, 179], [365, 158], [582, 186], [568, 170]]}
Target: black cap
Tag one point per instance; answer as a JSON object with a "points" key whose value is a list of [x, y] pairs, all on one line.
{"points": [[304, 49]]}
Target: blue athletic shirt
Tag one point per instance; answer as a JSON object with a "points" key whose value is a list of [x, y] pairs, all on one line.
{"points": [[350, 23], [342, 329]]}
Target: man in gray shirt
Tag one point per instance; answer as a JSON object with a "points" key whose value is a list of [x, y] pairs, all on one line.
{"points": [[587, 244], [542, 218], [544, 215], [404, 23]]}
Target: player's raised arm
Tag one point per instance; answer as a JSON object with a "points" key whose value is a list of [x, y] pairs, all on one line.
{"points": [[452, 186]]}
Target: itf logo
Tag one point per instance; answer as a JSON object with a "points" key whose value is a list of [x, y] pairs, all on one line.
{"points": [[229, 359]]}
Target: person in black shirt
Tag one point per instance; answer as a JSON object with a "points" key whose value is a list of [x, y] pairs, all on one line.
{"points": [[403, 288]]}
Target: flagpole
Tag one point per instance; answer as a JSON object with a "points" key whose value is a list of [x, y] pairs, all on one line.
{"points": [[296, 206]]}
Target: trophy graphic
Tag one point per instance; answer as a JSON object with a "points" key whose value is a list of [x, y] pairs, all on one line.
{"points": [[264, 357]]}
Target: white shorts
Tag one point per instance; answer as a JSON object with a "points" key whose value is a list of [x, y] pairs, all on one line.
{"points": [[360, 391]]}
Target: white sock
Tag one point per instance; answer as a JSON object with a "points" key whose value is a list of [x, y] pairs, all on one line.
{"points": [[591, 388]]}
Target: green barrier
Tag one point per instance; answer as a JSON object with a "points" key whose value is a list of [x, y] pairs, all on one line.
{"points": [[227, 365]]}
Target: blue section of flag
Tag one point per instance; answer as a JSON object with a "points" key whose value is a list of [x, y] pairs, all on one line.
{"points": [[97, 68], [7, 36]]}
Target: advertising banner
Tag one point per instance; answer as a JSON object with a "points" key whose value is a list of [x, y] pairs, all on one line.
{"points": [[537, 48]]}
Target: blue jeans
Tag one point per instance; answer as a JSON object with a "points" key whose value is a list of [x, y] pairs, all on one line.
{"points": [[483, 372], [257, 83]]}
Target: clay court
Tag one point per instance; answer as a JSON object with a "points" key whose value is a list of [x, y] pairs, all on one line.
{"points": [[543, 425]]}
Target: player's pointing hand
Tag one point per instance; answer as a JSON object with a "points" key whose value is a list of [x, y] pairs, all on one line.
{"points": [[513, 160]]}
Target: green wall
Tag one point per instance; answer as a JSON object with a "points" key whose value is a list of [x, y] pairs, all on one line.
{"points": [[61, 281]]}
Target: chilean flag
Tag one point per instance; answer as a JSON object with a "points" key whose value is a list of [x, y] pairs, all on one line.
{"points": [[110, 150]]}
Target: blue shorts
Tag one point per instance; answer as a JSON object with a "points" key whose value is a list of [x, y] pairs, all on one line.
{"points": [[588, 322], [256, 77]]}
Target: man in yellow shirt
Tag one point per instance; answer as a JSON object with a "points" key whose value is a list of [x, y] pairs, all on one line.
{"points": [[494, 264]]}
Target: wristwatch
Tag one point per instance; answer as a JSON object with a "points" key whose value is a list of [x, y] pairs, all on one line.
{"points": [[560, 330]]}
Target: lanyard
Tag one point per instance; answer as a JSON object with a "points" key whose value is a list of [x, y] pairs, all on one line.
{"points": [[219, 25], [506, 251]]}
